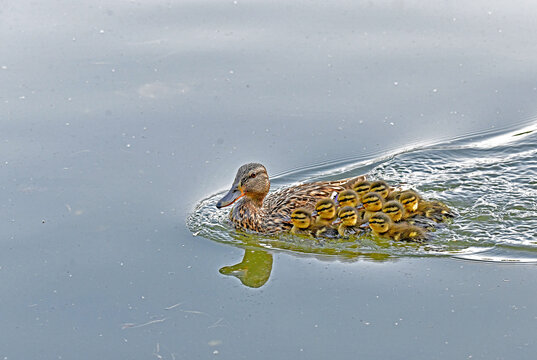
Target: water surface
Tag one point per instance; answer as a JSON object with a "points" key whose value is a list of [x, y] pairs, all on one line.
{"points": [[118, 118]]}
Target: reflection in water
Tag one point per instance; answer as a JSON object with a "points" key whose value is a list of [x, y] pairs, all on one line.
{"points": [[254, 269], [256, 265], [488, 180]]}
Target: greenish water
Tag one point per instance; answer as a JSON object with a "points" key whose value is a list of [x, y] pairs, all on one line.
{"points": [[488, 179]]}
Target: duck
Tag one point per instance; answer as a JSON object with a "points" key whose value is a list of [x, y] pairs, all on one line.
{"points": [[361, 187], [302, 222], [380, 187], [254, 209], [326, 214], [394, 209], [348, 198], [415, 205], [383, 226], [349, 221], [373, 203]]}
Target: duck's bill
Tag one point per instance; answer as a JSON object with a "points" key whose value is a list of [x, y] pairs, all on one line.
{"points": [[232, 195]]}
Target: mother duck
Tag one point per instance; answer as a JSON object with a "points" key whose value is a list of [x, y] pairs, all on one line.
{"points": [[254, 210]]}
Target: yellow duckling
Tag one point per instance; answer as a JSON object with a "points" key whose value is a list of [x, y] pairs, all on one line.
{"points": [[349, 221], [361, 187], [326, 212], [394, 209], [383, 226], [301, 220], [415, 205], [257, 210], [373, 202], [380, 187], [348, 198]]}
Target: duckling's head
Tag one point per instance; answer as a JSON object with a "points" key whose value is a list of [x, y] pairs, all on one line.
{"points": [[380, 187], [394, 210], [409, 199], [348, 215], [372, 201], [361, 187], [251, 181], [380, 222], [348, 198], [326, 208], [301, 218]]}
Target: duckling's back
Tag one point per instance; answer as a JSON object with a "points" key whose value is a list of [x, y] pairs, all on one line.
{"points": [[405, 232]]}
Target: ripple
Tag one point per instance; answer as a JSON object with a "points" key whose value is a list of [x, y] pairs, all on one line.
{"points": [[488, 179]]}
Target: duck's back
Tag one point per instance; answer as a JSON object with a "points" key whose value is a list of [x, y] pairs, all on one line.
{"points": [[284, 201], [407, 232]]}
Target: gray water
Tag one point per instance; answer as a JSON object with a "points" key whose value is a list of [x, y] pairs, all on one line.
{"points": [[118, 118]]}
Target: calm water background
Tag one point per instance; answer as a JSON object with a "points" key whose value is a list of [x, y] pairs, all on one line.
{"points": [[117, 118]]}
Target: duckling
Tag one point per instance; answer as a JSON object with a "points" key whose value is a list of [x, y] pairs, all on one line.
{"points": [[380, 187], [348, 198], [383, 226], [301, 220], [258, 210], [349, 219], [394, 210], [361, 187], [326, 212], [415, 205], [372, 203]]}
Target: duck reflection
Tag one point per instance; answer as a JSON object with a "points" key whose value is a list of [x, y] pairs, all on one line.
{"points": [[254, 269], [256, 265]]}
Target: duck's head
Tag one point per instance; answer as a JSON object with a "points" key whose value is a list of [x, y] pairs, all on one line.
{"points": [[372, 201], [251, 181], [380, 187], [409, 199], [301, 218], [348, 215], [348, 198], [394, 210], [380, 222], [326, 208], [361, 187]]}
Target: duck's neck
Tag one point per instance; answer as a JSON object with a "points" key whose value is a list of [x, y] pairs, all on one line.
{"points": [[255, 200], [247, 215]]}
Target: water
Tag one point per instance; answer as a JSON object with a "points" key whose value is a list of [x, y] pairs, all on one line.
{"points": [[487, 179], [118, 117]]}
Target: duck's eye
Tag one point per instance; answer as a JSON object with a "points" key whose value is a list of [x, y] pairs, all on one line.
{"points": [[253, 175]]}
